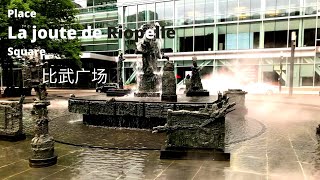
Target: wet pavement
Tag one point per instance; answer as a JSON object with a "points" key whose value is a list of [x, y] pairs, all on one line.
{"points": [[276, 141]]}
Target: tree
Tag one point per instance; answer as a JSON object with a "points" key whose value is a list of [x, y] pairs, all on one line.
{"points": [[51, 14]]}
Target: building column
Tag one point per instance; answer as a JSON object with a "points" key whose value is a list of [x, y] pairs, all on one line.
{"points": [[301, 34], [261, 36], [215, 38]]}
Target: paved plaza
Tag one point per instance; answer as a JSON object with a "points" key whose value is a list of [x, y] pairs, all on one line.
{"points": [[276, 141]]}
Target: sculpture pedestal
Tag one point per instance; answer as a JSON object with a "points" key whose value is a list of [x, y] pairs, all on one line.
{"points": [[42, 152], [239, 97], [42, 144], [169, 83], [38, 163]]}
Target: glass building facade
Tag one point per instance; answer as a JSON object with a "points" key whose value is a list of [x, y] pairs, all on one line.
{"points": [[209, 27], [225, 35], [98, 14]]}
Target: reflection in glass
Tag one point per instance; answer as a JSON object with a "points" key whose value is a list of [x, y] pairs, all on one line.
{"points": [[179, 12], [142, 13], [188, 12], [232, 10], [159, 11], [209, 11], [222, 10], [199, 12], [164, 10], [131, 13], [150, 12]]}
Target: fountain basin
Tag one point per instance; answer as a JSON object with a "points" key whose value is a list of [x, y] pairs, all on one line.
{"points": [[131, 114]]}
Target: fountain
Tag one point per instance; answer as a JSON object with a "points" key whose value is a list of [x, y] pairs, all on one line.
{"points": [[148, 79], [194, 126]]}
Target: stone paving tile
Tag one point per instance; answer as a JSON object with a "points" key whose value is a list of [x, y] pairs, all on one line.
{"points": [[63, 174], [249, 164], [289, 149], [69, 159], [36, 173], [149, 170], [179, 172], [216, 164], [210, 173], [238, 175], [14, 168], [286, 176], [284, 167], [252, 151], [312, 171], [282, 142], [281, 154]]}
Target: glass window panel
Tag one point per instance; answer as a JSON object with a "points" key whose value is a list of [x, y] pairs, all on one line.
{"points": [[269, 34], [245, 37], [209, 30], [310, 2], [168, 44], [222, 10], [255, 29], [222, 30], [168, 10], [160, 11], [282, 4], [209, 11], [184, 40], [244, 9], [231, 37], [131, 12], [232, 6], [189, 11], [142, 15], [244, 6], [179, 37], [294, 11], [150, 12], [131, 26], [199, 39], [179, 12], [295, 3], [232, 10], [255, 5], [271, 4], [199, 12], [309, 32]]}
